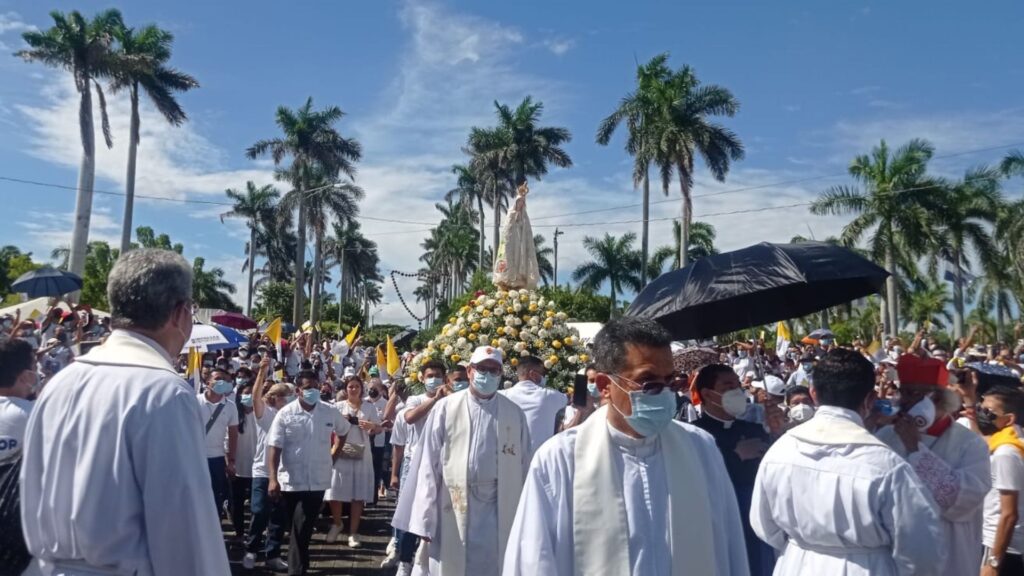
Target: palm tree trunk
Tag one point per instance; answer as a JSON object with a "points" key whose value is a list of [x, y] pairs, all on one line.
{"points": [[341, 281], [300, 258], [483, 227], [611, 314], [890, 294], [315, 289], [644, 233], [129, 185], [86, 178], [252, 264], [958, 296], [1000, 319], [684, 236], [497, 228]]}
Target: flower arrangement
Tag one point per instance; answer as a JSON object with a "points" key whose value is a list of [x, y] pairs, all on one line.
{"points": [[520, 323]]}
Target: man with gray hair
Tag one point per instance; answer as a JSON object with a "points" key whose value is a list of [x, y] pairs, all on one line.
{"points": [[114, 479]]}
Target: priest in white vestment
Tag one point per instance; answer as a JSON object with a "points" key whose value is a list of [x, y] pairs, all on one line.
{"points": [[114, 478], [834, 499], [630, 491], [951, 460], [466, 476]]}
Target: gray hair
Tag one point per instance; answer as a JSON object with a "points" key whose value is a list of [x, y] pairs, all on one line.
{"points": [[145, 286]]}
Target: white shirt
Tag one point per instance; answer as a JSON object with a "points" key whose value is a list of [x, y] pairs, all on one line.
{"points": [[13, 419], [799, 378], [259, 459], [1007, 474], [541, 406], [219, 431], [114, 473], [541, 541], [245, 450], [858, 510], [304, 438], [379, 404]]}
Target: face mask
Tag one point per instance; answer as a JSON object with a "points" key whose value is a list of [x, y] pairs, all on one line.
{"points": [[742, 353], [243, 355], [221, 387], [8, 324], [986, 422], [543, 381], [290, 398], [374, 394], [241, 381], [247, 400], [650, 413], [592, 389], [311, 396], [807, 367], [923, 413], [801, 413], [734, 402], [431, 384], [460, 385], [486, 384]]}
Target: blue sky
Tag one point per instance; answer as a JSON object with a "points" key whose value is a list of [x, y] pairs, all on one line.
{"points": [[819, 82]]}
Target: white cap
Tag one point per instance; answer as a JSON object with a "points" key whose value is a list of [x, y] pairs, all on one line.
{"points": [[772, 385], [485, 353], [349, 372]]}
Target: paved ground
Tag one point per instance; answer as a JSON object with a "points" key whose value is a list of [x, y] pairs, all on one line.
{"points": [[335, 558]]}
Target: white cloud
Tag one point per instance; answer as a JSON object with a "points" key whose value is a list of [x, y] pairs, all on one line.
{"points": [[12, 22], [559, 46]]}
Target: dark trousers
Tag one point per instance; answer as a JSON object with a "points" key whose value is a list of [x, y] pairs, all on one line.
{"points": [[219, 481], [302, 510], [266, 515], [378, 466], [240, 492]]}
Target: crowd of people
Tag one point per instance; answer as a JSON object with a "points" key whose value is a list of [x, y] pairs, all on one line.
{"points": [[883, 458]]}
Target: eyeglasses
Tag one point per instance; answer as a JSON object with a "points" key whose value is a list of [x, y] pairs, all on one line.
{"points": [[656, 386], [488, 371]]}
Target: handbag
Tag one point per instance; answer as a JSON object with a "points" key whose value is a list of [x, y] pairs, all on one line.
{"points": [[352, 451]]}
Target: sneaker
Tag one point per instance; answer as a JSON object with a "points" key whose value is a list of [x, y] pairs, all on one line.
{"points": [[278, 565], [332, 534], [249, 561], [404, 569], [354, 542], [392, 549], [390, 561]]}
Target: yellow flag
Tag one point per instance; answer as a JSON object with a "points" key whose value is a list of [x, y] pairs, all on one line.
{"points": [[351, 337], [382, 360], [273, 331], [195, 366], [782, 339], [393, 362]]}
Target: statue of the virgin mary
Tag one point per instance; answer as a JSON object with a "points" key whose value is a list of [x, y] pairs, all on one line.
{"points": [[515, 266]]}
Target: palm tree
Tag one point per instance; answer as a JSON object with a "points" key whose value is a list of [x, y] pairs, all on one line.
{"points": [[311, 141], [928, 304], [256, 206], [356, 258], [83, 48], [684, 131], [895, 203], [450, 249], [701, 244], [614, 261], [147, 51], [998, 289], [209, 288], [544, 256], [639, 110], [964, 211], [662, 256], [468, 189], [517, 149]]}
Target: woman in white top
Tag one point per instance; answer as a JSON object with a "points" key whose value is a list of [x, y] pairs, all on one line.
{"points": [[353, 470], [245, 449]]}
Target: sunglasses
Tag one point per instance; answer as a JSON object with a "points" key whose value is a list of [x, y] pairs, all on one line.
{"points": [[675, 384]]}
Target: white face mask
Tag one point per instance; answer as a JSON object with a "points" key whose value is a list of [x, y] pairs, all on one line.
{"points": [[923, 413], [801, 413], [735, 402]]}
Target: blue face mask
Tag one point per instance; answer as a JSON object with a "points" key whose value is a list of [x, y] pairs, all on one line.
{"points": [[247, 400], [222, 387], [592, 389], [543, 381], [650, 412], [241, 381], [431, 384], [460, 385], [486, 384], [290, 398], [311, 396]]}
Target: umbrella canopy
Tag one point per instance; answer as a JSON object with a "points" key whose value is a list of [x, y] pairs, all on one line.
{"points": [[757, 285], [47, 281], [686, 360], [822, 334], [991, 375], [235, 320], [208, 338]]}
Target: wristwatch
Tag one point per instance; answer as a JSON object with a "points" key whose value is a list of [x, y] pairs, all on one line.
{"points": [[992, 561]]}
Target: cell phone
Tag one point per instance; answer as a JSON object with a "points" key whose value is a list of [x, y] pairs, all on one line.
{"points": [[885, 407], [579, 391], [353, 420]]}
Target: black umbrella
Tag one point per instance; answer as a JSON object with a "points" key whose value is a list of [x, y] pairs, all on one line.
{"points": [[822, 334], [754, 286], [47, 281]]}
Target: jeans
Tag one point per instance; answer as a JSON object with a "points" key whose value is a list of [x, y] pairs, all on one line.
{"points": [[240, 490], [302, 510], [266, 515], [219, 482], [378, 465], [407, 541]]}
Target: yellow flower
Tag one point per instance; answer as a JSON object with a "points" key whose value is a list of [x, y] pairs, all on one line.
{"points": [[553, 359], [462, 332], [475, 326], [501, 302], [494, 342], [456, 357], [548, 323], [556, 344], [550, 313], [464, 309], [538, 344], [471, 337], [514, 361], [584, 357], [485, 313], [524, 298], [424, 360], [569, 341], [533, 307], [452, 320]]}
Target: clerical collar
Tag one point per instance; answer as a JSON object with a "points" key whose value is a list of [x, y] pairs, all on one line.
{"points": [[842, 413], [726, 423], [939, 427], [640, 447], [148, 341]]}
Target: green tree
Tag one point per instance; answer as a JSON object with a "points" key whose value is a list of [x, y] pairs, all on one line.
{"points": [[614, 261], [356, 258], [256, 206], [313, 143], [450, 251], [469, 189], [209, 288], [519, 148], [144, 53], [83, 48], [580, 304], [147, 238], [700, 245], [274, 299], [928, 304], [13, 263], [895, 203], [98, 263]]}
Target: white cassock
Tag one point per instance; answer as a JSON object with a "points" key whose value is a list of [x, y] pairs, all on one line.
{"points": [[955, 468], [834, 499], [598, 502], [114, 478], [464, 483]]}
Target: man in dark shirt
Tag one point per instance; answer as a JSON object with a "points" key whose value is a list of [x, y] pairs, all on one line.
{"points": [[742, 445]]}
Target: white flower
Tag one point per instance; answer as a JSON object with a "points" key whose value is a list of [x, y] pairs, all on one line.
{"points": [[499, 311], [460, 342], [503, 342], [524, 352], [548, 364], [551, 304], [574, 359], [534, 321], [460, 321], [486, 323], [541, 302], [480, 308], [448, 350], [490, 302], [517, 307], [520, 346], [510, 320], [471, 318], [562, 316], [518, 321], [543, 334]]}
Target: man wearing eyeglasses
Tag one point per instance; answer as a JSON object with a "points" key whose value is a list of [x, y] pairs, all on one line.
{"points": [[630, 491], [467, 473]]}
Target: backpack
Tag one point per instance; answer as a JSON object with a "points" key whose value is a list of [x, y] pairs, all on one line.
{"points": [[14, 556]]}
